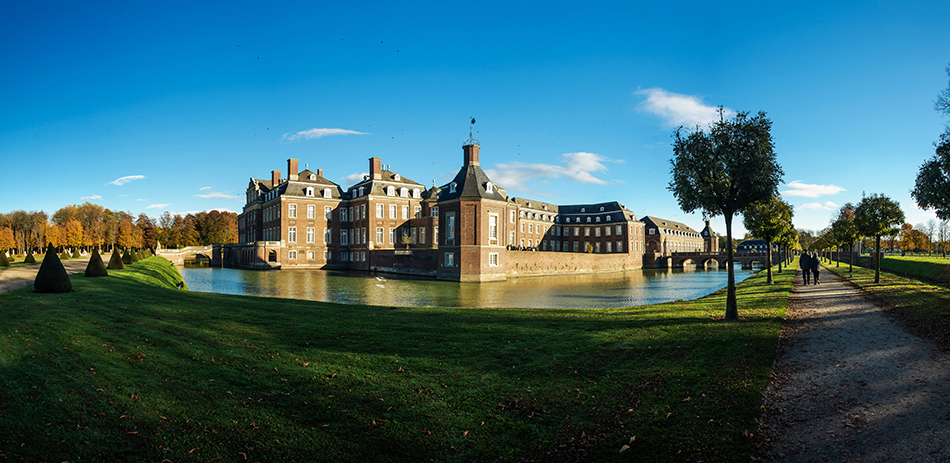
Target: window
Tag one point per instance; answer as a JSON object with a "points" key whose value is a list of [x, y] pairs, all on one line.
{"points": [[575, 246], [452, 187], [363, 211], [327, 193], [422, 235], [607, 244], [522, 242], [328, 212], [434, 212], [392, 211], [390, 191], [379, 235], [607, 231], [415, 193], [292, 211], [577, 231], [522, 227], [597, 231], [598, 219], [489, 188], [652, 231], [412, 235], [404, 192], [405, 212], [292, 234], [608, 218], [619, 246], [326, 235], [363, 235], [435, 235], [588, 220], [492, 229], [342, 214], [363, 256], [511, 238], [291, 254], [310, 234], [311, 211], [397, 177], [530, 228], [360, 192], [450, 259], [343, 239], [449, 226], [379, 211], [512, 219], [310, 255], [597, 247], [344, 256], [493, 259], [619, 230], [309, 191], [392, 235], [418, 212]]}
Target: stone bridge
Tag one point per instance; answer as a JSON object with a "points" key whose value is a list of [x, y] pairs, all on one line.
{"points": [[710, 259], [190, 254]]}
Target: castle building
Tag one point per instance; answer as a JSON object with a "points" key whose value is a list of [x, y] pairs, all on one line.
{"points": [[469, 229], [665, 237]]}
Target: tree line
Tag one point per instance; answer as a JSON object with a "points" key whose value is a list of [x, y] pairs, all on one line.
{"points": [[88, 225]]}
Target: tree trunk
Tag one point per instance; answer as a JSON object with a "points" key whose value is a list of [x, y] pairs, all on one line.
{"points": [[732, 309], [780, 259], [851, 257], [768, 262], [877, 259]]}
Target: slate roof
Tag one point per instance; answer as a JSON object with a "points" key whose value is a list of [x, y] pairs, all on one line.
{"points": [[471, 182], [664, 224], [614, 210]]}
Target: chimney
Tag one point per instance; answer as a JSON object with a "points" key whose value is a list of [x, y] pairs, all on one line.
{"points": [[292, 169], [470, 154], [375, 168], [275, 178], [319, 172]]}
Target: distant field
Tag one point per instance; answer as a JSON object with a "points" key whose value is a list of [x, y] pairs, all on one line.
{"points": [[126, 368]]}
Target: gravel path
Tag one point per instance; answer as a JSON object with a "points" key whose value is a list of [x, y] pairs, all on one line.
{"points": [[17, 277], [849, 384]]}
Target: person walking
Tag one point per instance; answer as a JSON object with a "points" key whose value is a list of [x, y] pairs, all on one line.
{"points": [[804, 261], [815, 264]]}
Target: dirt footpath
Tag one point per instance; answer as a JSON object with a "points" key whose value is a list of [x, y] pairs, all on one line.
{"points": [[849, 384], [17, 277]]}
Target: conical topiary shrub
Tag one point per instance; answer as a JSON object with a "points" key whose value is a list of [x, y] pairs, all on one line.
{"points": [[4, 262], [52, 277], [115, 262], [76, 253], [29, 258], [96, 267], [135, 257], [64, 256], [127, 257]]}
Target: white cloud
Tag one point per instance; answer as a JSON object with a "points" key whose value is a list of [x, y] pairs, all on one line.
{"points": [[123, 180], [575, 166], [826, 206], [90, 197], [317, 133], [158, 206], [676, 109], [204, 188], [354, 178], [216, 195], [206, 210], [809, 190]]}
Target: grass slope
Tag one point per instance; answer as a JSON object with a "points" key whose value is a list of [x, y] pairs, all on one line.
{"points": [[930, 268], [126, 368]]}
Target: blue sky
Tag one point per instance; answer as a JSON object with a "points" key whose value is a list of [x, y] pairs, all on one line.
{"points": [[173, 106]]}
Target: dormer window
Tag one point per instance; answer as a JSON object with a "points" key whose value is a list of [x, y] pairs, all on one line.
{"points": [[313, 176], [309, 191], [489, 188], [404, 192], [327, 193], [415, 193], [608, 218], [598, 218], [360, 192], [568, 220], [452, 187], [390, 191], [588, 220], [583, 209], [396, 177]]}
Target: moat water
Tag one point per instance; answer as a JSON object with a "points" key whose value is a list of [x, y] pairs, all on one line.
{"points": [[640, 287]]}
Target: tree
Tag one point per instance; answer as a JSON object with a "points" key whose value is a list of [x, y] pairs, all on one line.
{"points": [[846, 230], [724, 171], [877, 215], [906, 240], [769, 220], [6, 239], [806, 238], [73, 233], [932, 187]]}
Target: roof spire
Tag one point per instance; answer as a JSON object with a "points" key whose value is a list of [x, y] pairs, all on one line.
{"points": [[471, 129]]}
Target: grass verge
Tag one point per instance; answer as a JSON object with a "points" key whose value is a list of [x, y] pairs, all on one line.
{"points": [[921, 307], [127, 368]]}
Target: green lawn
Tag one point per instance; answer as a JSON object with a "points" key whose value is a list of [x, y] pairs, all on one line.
{"points": [[922, 307], [125, 368]]}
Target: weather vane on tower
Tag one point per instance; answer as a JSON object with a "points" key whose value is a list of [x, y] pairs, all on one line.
{"points": [[471, 129]]}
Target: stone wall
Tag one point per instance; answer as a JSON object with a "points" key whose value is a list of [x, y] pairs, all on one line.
{"points": [[530, 263]]}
